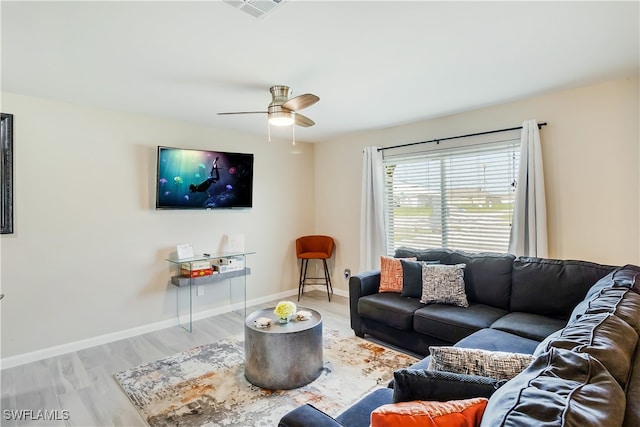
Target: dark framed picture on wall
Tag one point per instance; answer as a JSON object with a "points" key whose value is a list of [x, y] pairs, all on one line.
{"points": [[6, 173]]}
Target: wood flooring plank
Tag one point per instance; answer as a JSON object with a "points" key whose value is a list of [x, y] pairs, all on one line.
{"points": [[67, 372]]}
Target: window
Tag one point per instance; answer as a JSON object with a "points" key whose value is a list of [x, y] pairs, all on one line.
{"points": [[457, 197]]}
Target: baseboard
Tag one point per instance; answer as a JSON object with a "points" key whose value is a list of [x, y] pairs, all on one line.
{"points": [[45, 353]]}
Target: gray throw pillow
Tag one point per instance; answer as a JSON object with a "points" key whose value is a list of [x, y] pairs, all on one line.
{"points": [[443, 284], [493, 364]]}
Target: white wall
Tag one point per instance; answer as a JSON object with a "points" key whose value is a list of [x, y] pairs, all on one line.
{"points": [[87, 255], [591, 160]]}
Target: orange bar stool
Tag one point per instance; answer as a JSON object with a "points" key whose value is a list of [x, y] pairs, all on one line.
{"points": [[314, 247]]}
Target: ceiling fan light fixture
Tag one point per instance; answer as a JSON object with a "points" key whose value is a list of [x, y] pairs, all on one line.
{"points": [[281, 119], [279, 116]]}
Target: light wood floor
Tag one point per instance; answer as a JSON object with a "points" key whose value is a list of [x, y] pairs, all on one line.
{"points": [[82, 382]]}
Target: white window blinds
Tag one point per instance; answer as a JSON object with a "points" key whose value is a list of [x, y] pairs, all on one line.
{"points": [[456, 197]]}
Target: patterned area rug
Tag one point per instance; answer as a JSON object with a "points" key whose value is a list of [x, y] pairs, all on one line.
{"points": [[205, 386]]}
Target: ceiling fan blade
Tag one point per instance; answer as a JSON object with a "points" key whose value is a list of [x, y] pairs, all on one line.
{"points": [[300, 102], [303, 121], [243, 112]]}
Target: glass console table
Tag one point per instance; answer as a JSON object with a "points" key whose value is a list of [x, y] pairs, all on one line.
{"points": [[193, 272]]}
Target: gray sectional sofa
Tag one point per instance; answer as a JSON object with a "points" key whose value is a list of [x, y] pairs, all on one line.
{"points": [[516, 301], [580, 320]]}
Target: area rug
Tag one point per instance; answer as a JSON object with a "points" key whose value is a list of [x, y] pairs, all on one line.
{"points": [[205, 386]]}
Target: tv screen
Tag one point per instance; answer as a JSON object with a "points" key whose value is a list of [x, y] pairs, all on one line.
{"points": [[201, 179]]}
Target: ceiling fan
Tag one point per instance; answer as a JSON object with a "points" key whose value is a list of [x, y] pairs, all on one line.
{"points": [[283, 110]]}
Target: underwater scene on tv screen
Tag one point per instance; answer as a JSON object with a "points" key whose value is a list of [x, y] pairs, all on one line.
{"points": [[200, 179]]}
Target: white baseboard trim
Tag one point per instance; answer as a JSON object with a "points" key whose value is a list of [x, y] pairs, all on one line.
{"points": [[45, 353]]}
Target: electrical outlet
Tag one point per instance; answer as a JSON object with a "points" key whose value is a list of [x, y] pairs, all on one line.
{"points": [[347, 273], [200, 290]]}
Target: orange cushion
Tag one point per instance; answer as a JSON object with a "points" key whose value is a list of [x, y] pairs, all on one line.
{"points": [[391, 274], [454, 413], [313, 255]]}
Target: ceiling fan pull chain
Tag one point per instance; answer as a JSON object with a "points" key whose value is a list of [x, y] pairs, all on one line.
{"points": [[294, 134], [269, 130]]}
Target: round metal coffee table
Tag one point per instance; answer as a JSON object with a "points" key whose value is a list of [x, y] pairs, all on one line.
{"points": [[282, 356]]}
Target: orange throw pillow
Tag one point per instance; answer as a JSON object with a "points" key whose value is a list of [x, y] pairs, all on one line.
{"points": [[391, 274], [454, 413]]}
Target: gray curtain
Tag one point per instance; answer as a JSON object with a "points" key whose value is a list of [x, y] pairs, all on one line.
{"points": [[373, 239], [529, 225]]}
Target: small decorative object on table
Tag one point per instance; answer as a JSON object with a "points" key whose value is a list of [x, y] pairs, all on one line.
{"points": [[285, 310], [262, 322], [303, 315]]}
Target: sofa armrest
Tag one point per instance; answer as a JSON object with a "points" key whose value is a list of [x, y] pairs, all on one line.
{"points": [[363, 284], [360, 285], [307, 415]]}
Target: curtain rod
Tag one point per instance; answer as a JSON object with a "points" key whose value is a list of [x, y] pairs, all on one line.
{"points": [[437, 141]]}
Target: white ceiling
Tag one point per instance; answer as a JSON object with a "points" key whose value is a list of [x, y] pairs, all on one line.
{"points": [[374, 64]]}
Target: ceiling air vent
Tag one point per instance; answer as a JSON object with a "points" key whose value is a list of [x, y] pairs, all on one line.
{"points": [[255, 8]]}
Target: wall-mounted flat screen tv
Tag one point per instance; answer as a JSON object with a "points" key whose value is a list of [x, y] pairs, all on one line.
{"points": [[202, 179]]}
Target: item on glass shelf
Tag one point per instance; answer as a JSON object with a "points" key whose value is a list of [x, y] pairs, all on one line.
{"points": [[184, 251], [195, 265], [196, 273]]}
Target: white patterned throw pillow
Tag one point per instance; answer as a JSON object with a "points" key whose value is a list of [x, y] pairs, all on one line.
{"points": [[498, 365], [443, 284]]}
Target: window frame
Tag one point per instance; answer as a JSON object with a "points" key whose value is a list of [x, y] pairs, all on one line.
{"points": [[508, 145]]}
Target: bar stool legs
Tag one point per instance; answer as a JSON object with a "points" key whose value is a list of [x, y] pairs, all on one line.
{"points": [[303, 274], [303, 278], [327, 279]]}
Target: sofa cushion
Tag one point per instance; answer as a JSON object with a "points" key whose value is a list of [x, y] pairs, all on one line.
{"points": [[496, 340], [487, 277], [307, 415], [389, 308], [423, 384], [528, 325], [605, 337], [544, 346], [632, 416], [560, 388], [471, 361], [620, 301], [451, 323], [535, 279], [606, 282], [440, 255], [390, 274], [443, 284], [622, 277], [629, 275], [453, 413]]}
